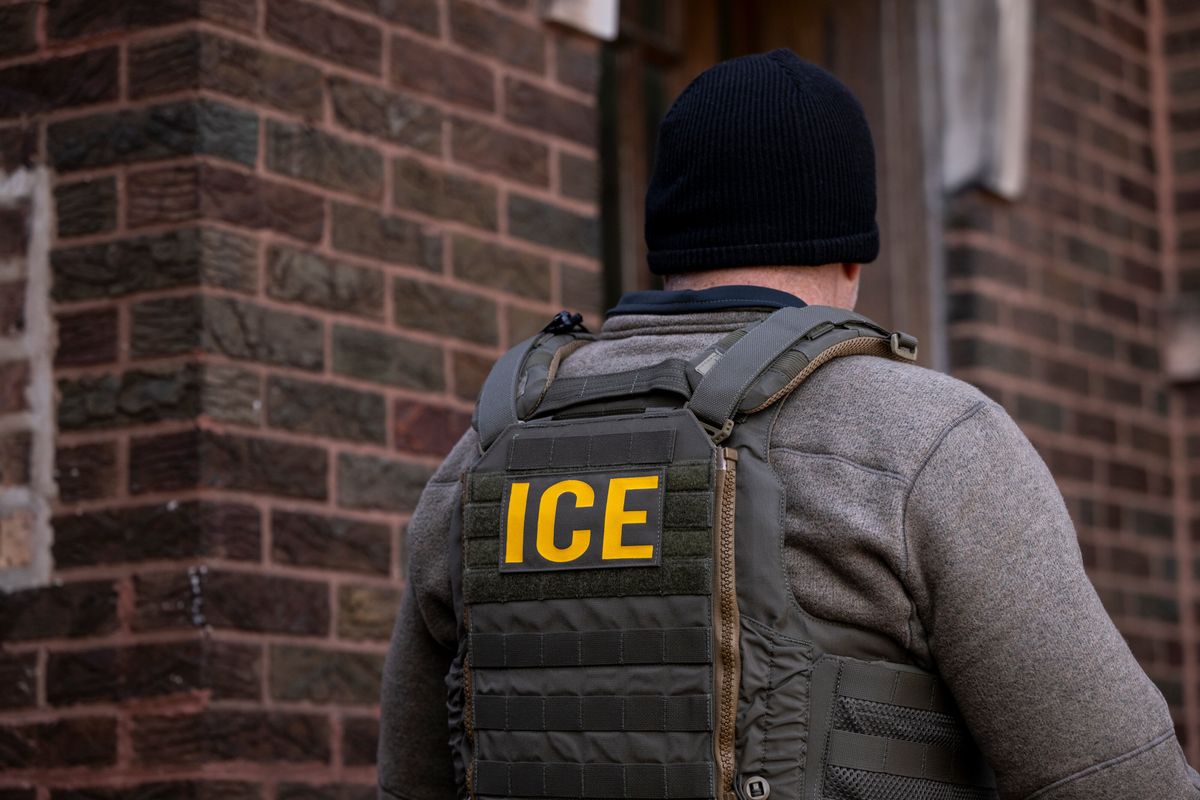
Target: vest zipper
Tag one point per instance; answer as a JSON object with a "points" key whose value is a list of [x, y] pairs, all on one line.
{"points": [[725, 622]]}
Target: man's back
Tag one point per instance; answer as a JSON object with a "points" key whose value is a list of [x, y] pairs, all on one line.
{"points": [[914, 509], [915, 520]]}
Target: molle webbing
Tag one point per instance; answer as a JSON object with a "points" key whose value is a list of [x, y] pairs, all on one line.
{"points": [[884, 732], [593, 678], [648, 781], [594, 713], [591, 648]]}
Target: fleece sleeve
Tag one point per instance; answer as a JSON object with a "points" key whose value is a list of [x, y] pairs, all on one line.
{"points": [[1050, 690], [414, 750]]}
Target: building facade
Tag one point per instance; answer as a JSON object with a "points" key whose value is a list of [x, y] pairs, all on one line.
{"points": [[256, 257]]}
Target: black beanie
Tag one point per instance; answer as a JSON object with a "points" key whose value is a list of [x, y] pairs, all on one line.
{"points": [[762, 160]]}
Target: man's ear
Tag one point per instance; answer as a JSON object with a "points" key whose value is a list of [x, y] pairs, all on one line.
{"points": [[851, 270]]}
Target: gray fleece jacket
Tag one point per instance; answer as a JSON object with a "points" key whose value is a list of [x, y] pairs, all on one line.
{"points": [[916, 509]]}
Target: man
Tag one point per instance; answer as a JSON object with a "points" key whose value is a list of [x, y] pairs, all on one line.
{"points": [[916, 513]]}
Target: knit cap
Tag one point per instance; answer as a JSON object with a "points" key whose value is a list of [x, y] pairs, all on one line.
{"points": [[762, 160]]}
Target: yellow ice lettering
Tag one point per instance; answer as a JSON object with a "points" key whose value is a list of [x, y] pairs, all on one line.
{"points": [[616, 517], [548, 508], [514, 548]]}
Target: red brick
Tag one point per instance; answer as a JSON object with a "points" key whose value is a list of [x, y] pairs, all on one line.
{"points": [[178, 194], [14, 230], [432, 70], [216, 736], [316, 30], [15, 454], [393, 116], [175, 790], [317, 157], [69, 81], [12, 308], [201, 60], [67, 610], [230, 600], [427, 429], [482, 30], [371, 356], [577, 63], [499, 152], [420, 15], [448, 195], [302, 277], [483, 263], [87, 337], [360, 741], [67, 19], [533, 107], [368, 482], [73, 742], [448, 311], [321, 409], [364, 232], [166, 531], [14, 380], [366, 612], [18, 29], [19, 673], [325, 676], [85, 472], [470, 371], [264, 466], [311, 540], [117, 674]]}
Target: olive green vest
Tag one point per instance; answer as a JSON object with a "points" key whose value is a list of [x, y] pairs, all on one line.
{"points": [[627, 628]]}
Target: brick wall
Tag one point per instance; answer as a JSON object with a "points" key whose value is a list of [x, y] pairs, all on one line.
{"points": [[1057, 308], [1181, 45], [291, 237]]}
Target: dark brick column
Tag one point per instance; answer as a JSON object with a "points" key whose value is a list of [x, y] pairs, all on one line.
{"points": [[292, 236]]}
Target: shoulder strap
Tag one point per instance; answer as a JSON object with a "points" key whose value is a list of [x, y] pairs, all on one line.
{"points": [[775, 356], [520, 378]]}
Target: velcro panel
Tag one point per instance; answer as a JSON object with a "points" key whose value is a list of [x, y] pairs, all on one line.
{"points": [[669, 376], [590, 648], [605, 781], [595, 450]]}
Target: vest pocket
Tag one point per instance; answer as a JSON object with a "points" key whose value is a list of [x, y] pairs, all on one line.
{"points": [[773, 712], [890, 732]]}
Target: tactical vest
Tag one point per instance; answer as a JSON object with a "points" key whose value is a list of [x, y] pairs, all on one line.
{"points": [[627, 627]]}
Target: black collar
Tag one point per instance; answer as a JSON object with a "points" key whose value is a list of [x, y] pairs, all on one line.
{"points": [[688, 301]]}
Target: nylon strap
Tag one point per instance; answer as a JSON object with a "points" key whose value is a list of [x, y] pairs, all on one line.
{"points": [[504, 385], [591, 648], [691, 712], [910, 759], [720, 391], [644, 781], [667, 376], [865, 681]]}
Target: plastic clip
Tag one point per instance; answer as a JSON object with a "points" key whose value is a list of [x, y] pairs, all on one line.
{"points": [[720, 434], [565, 322], [904, 346]]}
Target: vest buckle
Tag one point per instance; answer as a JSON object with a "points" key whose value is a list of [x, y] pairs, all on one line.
{"points": [[904, 346]]}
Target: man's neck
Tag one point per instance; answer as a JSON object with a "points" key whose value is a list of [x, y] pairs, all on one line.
{"points": [[816, 285]]}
